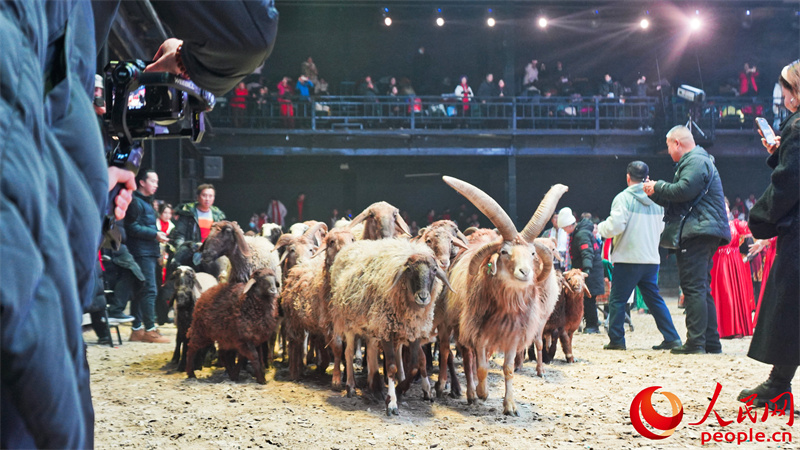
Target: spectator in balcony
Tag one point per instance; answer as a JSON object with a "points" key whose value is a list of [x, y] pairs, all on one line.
{"points": [[391, 85], [501, 87], [285, 93], [276, 212], [321, 88], [367, 88], [309, 70], [609, 88], [747, 80], [261, 100], [531, 78], [464, 92], [488, 90], [641, 86], [239, 103], [303, 87]]}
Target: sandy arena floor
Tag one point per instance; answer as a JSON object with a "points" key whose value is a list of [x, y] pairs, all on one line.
{"points": [[141, 401]]}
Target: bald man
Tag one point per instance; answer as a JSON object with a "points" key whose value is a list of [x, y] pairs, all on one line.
{"points": [[705, 229]]}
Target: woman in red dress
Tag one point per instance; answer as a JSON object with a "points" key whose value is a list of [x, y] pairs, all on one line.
{"points": [[731, 286]]}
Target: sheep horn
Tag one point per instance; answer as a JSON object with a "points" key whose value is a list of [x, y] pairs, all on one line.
{"points": [[476, 263], [543, 213], [487, 205], [546, 258], [469, 231], [443, 276], [402, 224], [460, 243], [312, 231], [240, 242], [586, 291], [461, 236], [319, 251]]}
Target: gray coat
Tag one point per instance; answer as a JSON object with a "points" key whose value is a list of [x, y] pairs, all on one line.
{"points": [[692, 173]]}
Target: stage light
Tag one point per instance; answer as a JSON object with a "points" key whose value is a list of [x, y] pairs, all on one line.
{"points": [[747, 13], [490, 20], [695, 24], [644, 23], [387, 20], [542, 22], [440, 21]]}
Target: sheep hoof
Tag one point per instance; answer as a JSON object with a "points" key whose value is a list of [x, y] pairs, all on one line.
{"points": [[351, 392], [392, 410], [336, 386], [571, 359], [511, 412], [470, 401]]}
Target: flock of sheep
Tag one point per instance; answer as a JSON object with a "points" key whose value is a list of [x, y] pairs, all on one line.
{"points": [[369, 280]]}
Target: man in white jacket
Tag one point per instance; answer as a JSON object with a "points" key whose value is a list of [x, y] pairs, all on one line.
{"points": [[635, 224]]}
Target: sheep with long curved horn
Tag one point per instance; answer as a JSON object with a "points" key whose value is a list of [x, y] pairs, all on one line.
{"points": [[504, 291]]}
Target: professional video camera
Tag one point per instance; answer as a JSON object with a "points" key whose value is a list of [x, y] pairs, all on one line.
{"points": [[147, 105]]}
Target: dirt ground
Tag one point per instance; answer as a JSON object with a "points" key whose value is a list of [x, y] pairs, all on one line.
{"points": [[141, 401]]}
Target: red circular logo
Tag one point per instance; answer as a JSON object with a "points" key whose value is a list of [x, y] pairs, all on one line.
{"points": [[642, 408]]}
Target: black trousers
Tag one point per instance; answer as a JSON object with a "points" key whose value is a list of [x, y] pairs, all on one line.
{"points": [[694, 270]]}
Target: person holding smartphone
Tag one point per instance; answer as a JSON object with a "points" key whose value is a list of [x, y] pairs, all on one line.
{"points": [[776, 339]]}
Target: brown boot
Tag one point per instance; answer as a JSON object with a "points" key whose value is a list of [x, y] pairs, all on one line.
{"points": [[153, 336], [137, 335]]}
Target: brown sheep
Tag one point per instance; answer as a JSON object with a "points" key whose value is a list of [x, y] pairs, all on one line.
{"points": [[305, 301], [294, 248], [566, 316], [504, 290], [383, 290], [246, 253], [239, 317]]}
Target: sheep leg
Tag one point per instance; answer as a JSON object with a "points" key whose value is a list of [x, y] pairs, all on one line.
{"points": [[444, 353], [194, 346], [350, 339], [374, 380], [427, 392], [232, 366], [469, 373], [398, 351], [455, 385], [359, 356], [550, 348], [483, 371], [323, 354], [176, 355], [391, 359], [566, 345], [414, 351], [539, 357], [427, 350], [520, 357], [250, 352], [294, 355], [509, 407], [307, 338], [336, 347]]}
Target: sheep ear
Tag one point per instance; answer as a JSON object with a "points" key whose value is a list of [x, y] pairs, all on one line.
{"points": [[443, 276], [398, 277], [358, 219], [421, 231], [196, 288], [249, 284], [476, 263], [240, 242], [401, 224]]}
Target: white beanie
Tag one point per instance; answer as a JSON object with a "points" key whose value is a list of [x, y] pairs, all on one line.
{"points": [[565, 218]]}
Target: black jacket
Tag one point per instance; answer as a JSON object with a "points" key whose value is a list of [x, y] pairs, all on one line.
{"points": [[140, 227], [776, 339], [187, 229], [587, 255], [708, 218]]}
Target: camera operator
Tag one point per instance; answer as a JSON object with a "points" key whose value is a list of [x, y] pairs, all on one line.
{"points": [[55, 184]]}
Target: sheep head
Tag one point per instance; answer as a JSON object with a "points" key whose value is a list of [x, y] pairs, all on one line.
{"points": [[514, 257], [381, 221], [293, 248], [271, 231], [185, 280], [444, 239], [334, 241], [264, 285], [575, 281], [224, 238], [417, 278]]}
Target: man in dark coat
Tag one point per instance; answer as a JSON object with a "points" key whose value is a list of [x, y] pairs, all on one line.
{"points": [[586, 255], [706, 228], [143, 239], [55, 184], [776, 339]]}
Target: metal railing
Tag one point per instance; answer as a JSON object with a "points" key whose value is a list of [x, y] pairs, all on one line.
{"points": [[502, 113]]}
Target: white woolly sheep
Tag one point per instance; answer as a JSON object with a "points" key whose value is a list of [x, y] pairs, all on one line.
{"points": [[384, 291]]}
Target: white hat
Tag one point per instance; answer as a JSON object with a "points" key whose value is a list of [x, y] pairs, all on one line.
{"points": [[98, 81], [565, 218]]}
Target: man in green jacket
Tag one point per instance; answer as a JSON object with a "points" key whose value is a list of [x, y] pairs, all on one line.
{"points": [[706, 228], [194, 222]]}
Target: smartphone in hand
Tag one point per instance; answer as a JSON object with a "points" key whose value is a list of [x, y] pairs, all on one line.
{"points": [[766, 130]]}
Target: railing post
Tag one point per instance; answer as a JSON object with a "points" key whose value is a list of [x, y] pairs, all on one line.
{"points": [[413, 115], [597, 113], [514, 113], [313, 114]]}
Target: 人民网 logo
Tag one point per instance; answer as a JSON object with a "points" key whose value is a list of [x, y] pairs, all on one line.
{"points": [[642, 408]]}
